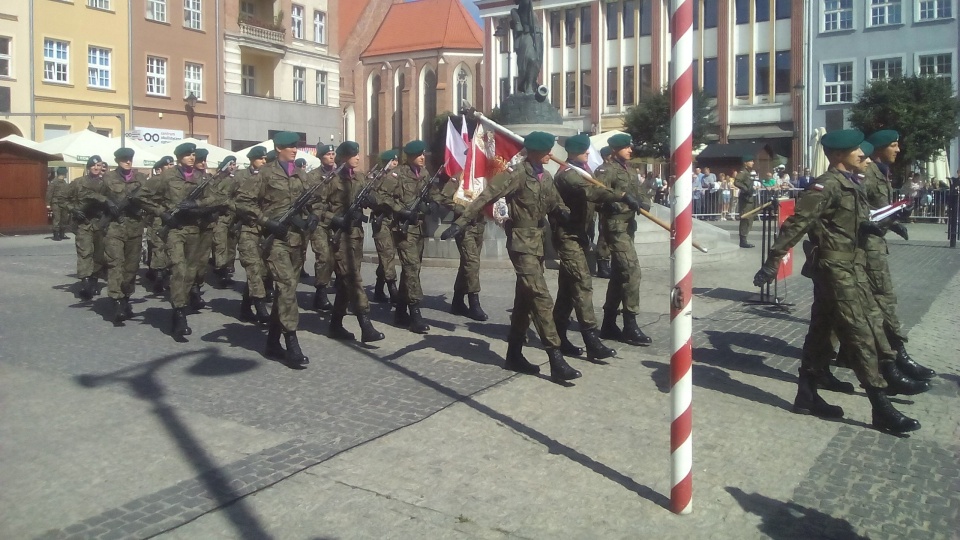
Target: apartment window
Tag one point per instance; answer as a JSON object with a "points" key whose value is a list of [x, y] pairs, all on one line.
{"points": [[585, 35], [761, 74], [5, 57], [193, 80], [247, 8], [299, 84], [935, 65], [98, 67], [319, 27], [629, 9], [554, 28], [629, 81], [742, 83], [321, 88], [646, 80], [99, 4], [929, 10], [613, 19], [571, 89], [4, 99], [761, 11], [742, 11], [837, 15], [646, 14], [612, 86], [585, 89], [883, 12], [570, 25], [296, 21], [248, 84], [781, 78], [783, 8], [886, 68], [56, 60], [157, 10], [505, 88], [838, 82], [710, 77], [156, 76], [711, 13], [192, 11]]}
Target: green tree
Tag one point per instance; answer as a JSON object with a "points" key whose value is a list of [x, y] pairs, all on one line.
{"points": [[649, 123], [924, 110]]}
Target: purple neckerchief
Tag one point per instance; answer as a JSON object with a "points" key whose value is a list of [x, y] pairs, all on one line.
{"points": [[621, 161], [416, 171], [537, 170], [347, 172], [187, 172], [127, 175], [853, 177], [288, 166], [884, 168]]}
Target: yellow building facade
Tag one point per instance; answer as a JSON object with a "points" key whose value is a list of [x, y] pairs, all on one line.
{"points": [[81, 66], [14, 68]]}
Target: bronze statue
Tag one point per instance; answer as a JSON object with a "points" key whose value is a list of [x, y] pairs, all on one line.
{"points": [[528, 45]]}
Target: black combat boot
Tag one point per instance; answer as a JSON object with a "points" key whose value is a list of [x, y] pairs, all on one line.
{"points": [[336, 329], [515, 360], [63, 235], [596, 350], [476, 312], [632, 334], [809, 402], [56, 235], [900, 384], [180, 327], [368, 333], [260, 307], [603, 268], [744, 243], [158, 284], [567, 348], [609, 328], [400, 316], [910, 367], [246, 307], [127, 308], [224, 278], [379, 292], [196, 299], [294, 357], [417, 326], [86, 288], [274, 350], [828, 381], [271, 292], [392, 290], [885, 417], [117, 305], [320, 300], [560, 370], [457, 305], [150, 274]]}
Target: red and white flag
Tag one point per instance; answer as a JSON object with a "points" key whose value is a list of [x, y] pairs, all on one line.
{"points": [[455, 157], [475, 170]]}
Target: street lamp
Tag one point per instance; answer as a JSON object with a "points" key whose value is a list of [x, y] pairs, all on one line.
{"points": [[190, 107], [502, 34]]}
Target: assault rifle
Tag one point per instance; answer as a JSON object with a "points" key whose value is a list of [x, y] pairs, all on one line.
{"points": [[356, 207], [292, 215], [121, 207], [192, 196], [413, 214]]}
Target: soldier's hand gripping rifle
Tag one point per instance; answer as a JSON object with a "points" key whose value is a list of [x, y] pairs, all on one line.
{"points": [[341, 221], [411, 214], [115, 212], [280, 226], [170, 218]]}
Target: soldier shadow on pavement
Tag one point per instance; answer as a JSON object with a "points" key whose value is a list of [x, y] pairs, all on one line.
{"points": [[143, 381], [723, 293], [713, 378], [722, 354], [238, 334], [775, 312], [791, 521], [553, 446]]}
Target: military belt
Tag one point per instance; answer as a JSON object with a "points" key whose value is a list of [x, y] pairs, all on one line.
{"points": [[842, 256], [528, 223]]}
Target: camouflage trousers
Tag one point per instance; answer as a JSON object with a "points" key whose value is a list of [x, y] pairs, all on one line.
{"points": [[224, 243], [532, 301], [574, 285], [410, 249], [183, 249], [251, 261], [348, 254], [470, 245], [881, 283], [122, 245], [157, 247], [624, 285], [61, 216], [323, 265], [284, 263], [746, 205], [202, 262], [89, 243], [602, 251], [386, 250]]}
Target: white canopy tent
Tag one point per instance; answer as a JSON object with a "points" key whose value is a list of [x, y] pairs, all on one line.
{"points": [[312, 161], [938, 168], [141, 154], [22, 141], [76, 149], [217, 154]]}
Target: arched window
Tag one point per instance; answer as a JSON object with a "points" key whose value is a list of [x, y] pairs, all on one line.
{"points": [[463, 88], [429, 101], [373, 113], [398, 113]]}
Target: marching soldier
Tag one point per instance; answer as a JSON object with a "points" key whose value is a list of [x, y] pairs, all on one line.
{"points": [[602, 251], [621, 224], [254, 292], [382, 225], [320, 237], [836, 214], [124, 235], [531, 195], [57, 201], [347, 244], [225, 232], [575, 287], [89, 205], [264, 197], [746, 199], [159, 263], [398, 193], [207, 221]]}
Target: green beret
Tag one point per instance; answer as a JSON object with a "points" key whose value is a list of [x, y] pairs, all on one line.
{"points": [[576, 145], [866, 147], [842, 139], [271, 156], [163, 162], [620, 140], [256, 152], [300, 162], [348, 149], [747, 157], [93, 160], [286, 139], [184, 149], [61, 170], [226, 163], [884, 137], [325, 149], [605, 152], [123, 154], [201, 154], [539, 141], [388, 156], [414, 148]]}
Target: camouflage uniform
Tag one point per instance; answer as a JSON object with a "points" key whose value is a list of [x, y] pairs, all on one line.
{"points": [[320, 237], [225, 232], [746, 201], [124, 236], [88, 199], [396, 193], [470, 244], [208, 222], [248, 241], [879, 191], [57, 200], [347, 245]]}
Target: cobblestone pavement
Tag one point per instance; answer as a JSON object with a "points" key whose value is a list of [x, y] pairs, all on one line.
{"points": [[141, 435]]}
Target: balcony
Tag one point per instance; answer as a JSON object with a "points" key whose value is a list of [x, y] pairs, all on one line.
{"points": [[270, 31]]}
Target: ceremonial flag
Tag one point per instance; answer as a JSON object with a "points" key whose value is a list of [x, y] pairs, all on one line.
{"points": [[475, 170], [594, 159], [456, 149]]}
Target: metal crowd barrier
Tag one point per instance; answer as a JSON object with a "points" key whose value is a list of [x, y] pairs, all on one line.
{"points": [[715, 206], [929, 205]]}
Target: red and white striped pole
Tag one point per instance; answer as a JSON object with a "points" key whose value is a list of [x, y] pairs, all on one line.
{"points": [[681, 361]]}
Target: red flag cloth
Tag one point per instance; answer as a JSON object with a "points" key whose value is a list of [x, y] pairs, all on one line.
{"points": [[476, 166], [506, 148], [455, 154], [786, 264]]}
